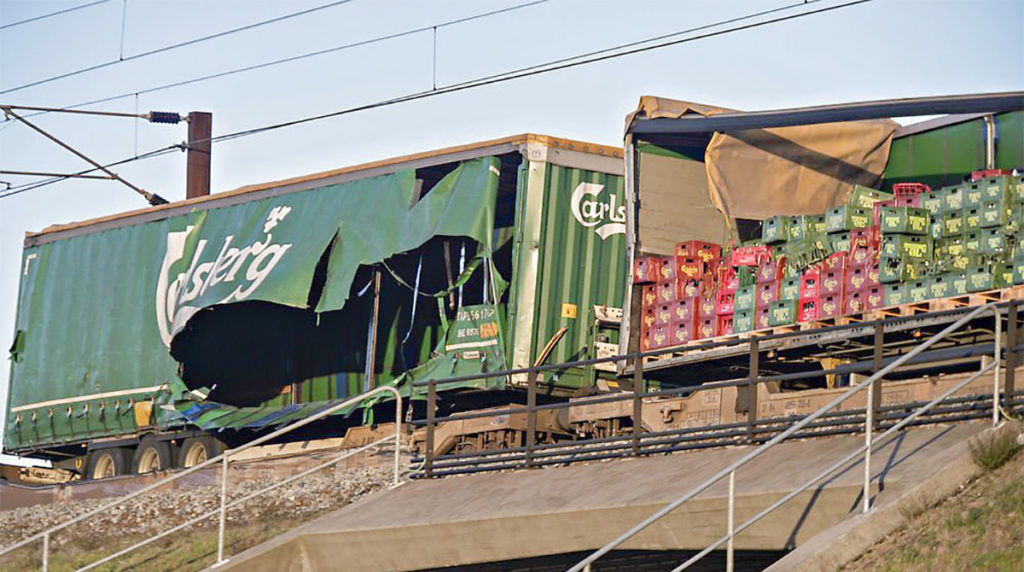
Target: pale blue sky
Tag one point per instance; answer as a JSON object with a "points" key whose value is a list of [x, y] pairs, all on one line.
{"points": [[882, 49]]}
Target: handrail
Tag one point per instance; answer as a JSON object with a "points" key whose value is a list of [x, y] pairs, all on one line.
{"points": [[867, 383], [223, 458]]}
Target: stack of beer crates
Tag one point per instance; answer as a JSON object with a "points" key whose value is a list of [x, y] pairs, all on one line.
{"points": [[678, 303]]}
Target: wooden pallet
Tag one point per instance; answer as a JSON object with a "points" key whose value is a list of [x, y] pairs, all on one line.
{"points": [[903, 310]]}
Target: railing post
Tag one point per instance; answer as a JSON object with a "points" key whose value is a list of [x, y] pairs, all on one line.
{"points": [[46, 551], [869, 422], [997, 355], [531, 417], [638, 388], [875, 395], [755, 351], [223, 505], [398, 432], [428, 447], [729, 550], [1012, 341]]}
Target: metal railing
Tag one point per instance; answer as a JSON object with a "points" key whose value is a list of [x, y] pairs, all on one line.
{"points": [[866, 449], [754, 430], [224, 459]]}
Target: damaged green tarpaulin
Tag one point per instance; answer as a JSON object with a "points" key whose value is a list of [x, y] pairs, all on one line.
{"points": [[268, 250], [96, 312]]}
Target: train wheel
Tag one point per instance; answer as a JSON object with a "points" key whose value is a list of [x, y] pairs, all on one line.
{"points": [[152, 455], [105, 463], [195, 450]]}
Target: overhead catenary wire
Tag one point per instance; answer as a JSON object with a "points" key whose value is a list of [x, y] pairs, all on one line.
{"points": [[52, 14], [315, 53], [171, 47], [556, 65]]}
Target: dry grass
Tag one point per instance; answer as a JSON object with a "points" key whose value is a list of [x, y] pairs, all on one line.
{"points": [[979, 528]]}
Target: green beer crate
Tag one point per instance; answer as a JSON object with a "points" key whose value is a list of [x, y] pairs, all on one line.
{"points": [[972, 195], [992, 241], [896, 294], [840, 241], [935, 228], [797, 227], [789, 288], [746, 275], [971, 218], [904, 220], [782, 312], [745, 298], [933, 201], [1018, 270], [743, 321], [952, 222], [993, 188], [775, 230], [972, 242], [847, 217], [938, 286], [816, 225], [1016, 188], [919, 290], [866, 198], [952, 199], [989, 277], [955, 284], [996, 213], [907, 246], [952, 246], [898, 269]]}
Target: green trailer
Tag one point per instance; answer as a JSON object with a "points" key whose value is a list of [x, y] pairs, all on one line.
{"points": [[237, 312]]}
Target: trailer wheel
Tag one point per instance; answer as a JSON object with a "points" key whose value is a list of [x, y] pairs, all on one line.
{"points": [[195, 450], [105, 463], [152, 455]]}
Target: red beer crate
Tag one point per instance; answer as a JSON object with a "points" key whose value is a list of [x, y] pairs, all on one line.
{"points": [[835, 262], [681, 333], [861, 256], [649, 296], [979, 175], [807, 309], [762, 317], [724, 325], [689, 268], [684, 310], [660, 337], [749, 255], [831, 283], [768, 271], [767, 293], [667, 270], [724, 303], [854, 302], [646, 269], [855, 278], [708, 307], [873, 277], [705, 251], [809, 283], [688, 288], [647, 318], [909, 194], [874, 297], [667, 292], [707, 328], [729, 281], [664, 314], [829, 306]]}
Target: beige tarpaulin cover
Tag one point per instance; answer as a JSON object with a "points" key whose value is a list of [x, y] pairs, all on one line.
{"points": [[759, 173]]}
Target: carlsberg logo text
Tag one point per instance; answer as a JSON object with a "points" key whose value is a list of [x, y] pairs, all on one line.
{"points": [[246, 265], [607, 217]]}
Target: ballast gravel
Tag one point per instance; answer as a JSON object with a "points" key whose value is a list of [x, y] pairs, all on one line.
{"points": [[158, 511]]}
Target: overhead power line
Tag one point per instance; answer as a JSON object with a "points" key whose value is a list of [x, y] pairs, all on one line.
{"points": [[306, 55], [52, 14], [173, 46], [555, 65]]}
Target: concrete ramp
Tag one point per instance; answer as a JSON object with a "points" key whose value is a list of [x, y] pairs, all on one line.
{"points": [[493, 517]]}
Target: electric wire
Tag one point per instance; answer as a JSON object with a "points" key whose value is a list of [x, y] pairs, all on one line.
{"points": [[168, 48], [520, 73], [306, 55], [52, 14]]}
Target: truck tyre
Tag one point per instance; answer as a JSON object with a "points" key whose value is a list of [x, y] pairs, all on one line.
{"points": [[152, 455], [103, 463], [195, 450]]}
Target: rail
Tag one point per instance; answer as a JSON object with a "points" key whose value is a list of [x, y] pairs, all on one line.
{"points": [[866, 449], [224, 459]]}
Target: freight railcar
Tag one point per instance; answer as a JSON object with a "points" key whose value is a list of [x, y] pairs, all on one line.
{"points": [[148, 339]]}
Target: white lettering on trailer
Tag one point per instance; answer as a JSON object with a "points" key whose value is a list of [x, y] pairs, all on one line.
{"points": [[607, 217], [172, 296]]}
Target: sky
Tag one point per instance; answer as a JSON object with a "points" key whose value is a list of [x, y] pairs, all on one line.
{"points": [[874, 50]]}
